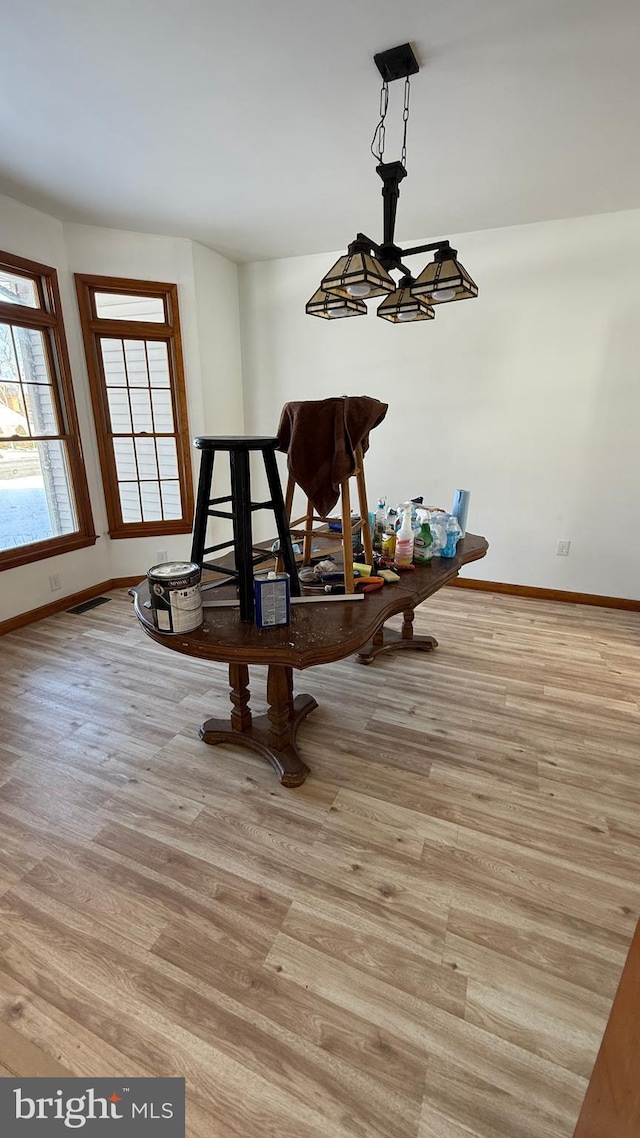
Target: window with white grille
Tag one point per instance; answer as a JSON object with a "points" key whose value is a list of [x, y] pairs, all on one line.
{"points": [[44, 503], [132, 341]]}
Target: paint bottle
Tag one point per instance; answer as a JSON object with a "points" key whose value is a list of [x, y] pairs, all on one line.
{"points": [[404, 540]]}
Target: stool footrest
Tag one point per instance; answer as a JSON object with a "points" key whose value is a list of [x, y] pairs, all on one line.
{"points": [[215, 548]]}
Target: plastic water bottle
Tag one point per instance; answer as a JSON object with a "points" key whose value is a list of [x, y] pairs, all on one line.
{"points": [[452, 529]]}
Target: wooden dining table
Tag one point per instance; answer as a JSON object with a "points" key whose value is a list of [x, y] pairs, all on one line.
{"points": [[318, 633]]}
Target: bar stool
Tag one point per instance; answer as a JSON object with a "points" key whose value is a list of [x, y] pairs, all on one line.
{"points": [[326, 440], [247, 556], [304, 526]]}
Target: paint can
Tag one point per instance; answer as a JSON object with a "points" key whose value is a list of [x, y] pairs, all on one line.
{"points": [[272, 597], [176, 599]]}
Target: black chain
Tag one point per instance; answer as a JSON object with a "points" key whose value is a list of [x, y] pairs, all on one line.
{"points": [[405, 118], [377, 142]]}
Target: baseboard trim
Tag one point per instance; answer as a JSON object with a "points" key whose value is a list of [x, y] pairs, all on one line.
{"points": [[126, 582], [547, 594], [64, 603]]}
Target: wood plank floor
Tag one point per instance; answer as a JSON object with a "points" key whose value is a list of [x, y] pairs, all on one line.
{"points": [[422, 941]]}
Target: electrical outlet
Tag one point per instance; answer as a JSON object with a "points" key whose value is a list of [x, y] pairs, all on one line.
{"points": [[161, 556], [55, 582], [563, 548]]}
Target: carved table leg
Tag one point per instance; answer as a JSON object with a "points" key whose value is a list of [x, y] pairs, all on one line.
{"points": [[239, 684], [388, 640], [272, 735]]}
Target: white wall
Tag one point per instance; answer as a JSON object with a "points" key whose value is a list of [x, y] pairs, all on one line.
{"points": [[209, 317], [528, 396], [218, 319]]}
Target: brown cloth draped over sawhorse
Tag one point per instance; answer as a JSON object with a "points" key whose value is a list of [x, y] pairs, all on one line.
{"points": [[326, 440]]}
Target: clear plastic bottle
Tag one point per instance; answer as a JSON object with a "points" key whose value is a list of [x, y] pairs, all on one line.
{"points": [[404, 540], [380, 524], [453, 533]]}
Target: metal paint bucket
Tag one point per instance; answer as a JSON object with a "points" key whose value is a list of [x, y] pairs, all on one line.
{"points": [[176, 599]]}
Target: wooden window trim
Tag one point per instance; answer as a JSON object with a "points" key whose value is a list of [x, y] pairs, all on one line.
{"points": [[49, 319], [93, 327]]}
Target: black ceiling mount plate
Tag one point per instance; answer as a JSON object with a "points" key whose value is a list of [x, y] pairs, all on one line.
{"points": [[396, 62]]}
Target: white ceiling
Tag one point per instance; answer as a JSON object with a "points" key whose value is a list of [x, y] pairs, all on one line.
{"points": [[246, 125]]}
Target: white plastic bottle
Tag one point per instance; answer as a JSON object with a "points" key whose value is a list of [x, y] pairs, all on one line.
{"points": [[404, 540]]}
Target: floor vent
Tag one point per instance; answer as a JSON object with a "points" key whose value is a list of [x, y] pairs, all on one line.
{"points": [[90, 604]]}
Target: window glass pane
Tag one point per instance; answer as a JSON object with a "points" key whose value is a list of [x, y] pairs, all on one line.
{"points": [[167, 458], [13, 413], [162, 412], [15, 289], [31, 354], [136, 363], [141, 410], [171, 501], [23, 355], [151, 507], [158, 357], [147, 465], [36, 501], [125, 460], [41, 410], [130, 501], [119, 410], [8, 362], [120, 306], [27, 409], [113, 362]]}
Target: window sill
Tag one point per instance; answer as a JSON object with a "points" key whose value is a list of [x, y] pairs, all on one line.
{"points": [[39, 550], [150, 529]]}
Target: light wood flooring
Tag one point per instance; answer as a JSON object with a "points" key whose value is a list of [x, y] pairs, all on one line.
{"points": [[423, 941]]}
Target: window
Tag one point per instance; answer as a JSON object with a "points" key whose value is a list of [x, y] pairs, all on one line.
{"points": [[44, 502], [132, 342]]}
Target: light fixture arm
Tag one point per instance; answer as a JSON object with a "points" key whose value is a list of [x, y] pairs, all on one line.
{"points": [[426, 248], [390, 255]]}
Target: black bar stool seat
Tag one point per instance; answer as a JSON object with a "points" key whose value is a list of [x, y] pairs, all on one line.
{"points": [[247, 555]]}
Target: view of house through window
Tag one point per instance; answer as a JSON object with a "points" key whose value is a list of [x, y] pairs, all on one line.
{"points": [[132, 342], [43, 499]]}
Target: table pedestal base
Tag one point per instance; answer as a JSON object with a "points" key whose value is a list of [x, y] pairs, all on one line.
{"points": [[388, 640], [273, 736]]}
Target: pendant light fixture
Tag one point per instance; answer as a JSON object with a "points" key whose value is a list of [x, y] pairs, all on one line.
{"points": [[330, 307], [401, 305], [366, 269]]}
